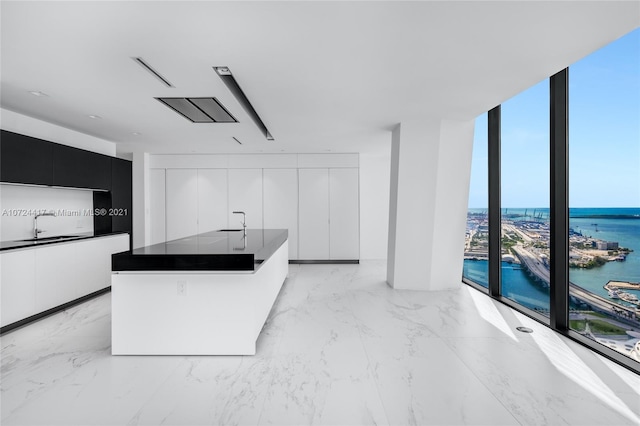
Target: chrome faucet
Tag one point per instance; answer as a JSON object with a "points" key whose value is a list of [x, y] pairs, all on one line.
{"points": [[244, 222], [37, 231]]}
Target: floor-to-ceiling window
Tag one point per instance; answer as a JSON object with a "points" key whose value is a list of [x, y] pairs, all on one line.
{"points": [[604, 195], [476, 246], [552, 239], [525, 198]]}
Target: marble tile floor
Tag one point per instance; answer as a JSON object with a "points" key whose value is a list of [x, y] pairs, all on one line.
{"points": [[340, 348]]}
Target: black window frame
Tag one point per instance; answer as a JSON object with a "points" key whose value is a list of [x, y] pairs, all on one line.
{"points": [[558, 319]]}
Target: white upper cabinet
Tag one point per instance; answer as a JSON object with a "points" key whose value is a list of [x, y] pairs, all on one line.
{"points": [[344, 216], [313, 214], [245, 194], [280, 192], [182, 203], [212, 200], [157, 205]]}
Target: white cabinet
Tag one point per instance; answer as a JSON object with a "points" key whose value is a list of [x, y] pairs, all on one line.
{"points": [[313, 196], [55, 283], [329, 218], [212, 200], [92, 267], [157, 205], [40, 278], [182, 203], [245, 194], [280, 194], [344, 216], [17, 285]]}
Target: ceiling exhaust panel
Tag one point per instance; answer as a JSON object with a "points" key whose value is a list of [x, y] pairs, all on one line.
{"points": [[214, 109], [188, 110], [225, 74]]}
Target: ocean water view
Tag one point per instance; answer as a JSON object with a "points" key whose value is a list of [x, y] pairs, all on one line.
{"points": [[621, 225]]}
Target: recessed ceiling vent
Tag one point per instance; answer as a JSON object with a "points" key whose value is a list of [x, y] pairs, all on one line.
{"points": [[200, 110], [153, 72]]}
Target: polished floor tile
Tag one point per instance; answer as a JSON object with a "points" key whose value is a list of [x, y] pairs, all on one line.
{"points": [[339, 348]]}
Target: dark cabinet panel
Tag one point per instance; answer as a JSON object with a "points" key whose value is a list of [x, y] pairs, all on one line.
{"points": [[102, 223], [121, 195], [78, 168], [24, 159]]}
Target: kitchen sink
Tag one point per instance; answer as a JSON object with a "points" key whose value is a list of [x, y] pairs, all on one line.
{"points": [[45, 239]]}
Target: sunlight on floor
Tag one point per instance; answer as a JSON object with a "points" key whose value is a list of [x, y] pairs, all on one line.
{"points": [[569, 364]]}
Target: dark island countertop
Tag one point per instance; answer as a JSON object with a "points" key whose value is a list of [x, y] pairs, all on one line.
{"points": [[42, 241], [211, 251]]}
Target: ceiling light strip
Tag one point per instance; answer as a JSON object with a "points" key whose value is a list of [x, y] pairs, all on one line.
{"points": [[146, 66], [225, 74]]}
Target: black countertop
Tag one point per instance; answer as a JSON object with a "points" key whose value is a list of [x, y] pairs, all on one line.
{"points": [[20, 244], [210, 251]]}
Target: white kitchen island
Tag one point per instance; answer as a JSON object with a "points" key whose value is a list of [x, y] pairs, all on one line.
{"points": [[209, 294]]}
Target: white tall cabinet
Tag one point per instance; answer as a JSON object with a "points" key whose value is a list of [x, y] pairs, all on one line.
{"points": [[157, 205], [182, 203], [314, 214], [280, 195], [329, 214], [344, 215], [245, 194], [212, 200], [314, 196]]}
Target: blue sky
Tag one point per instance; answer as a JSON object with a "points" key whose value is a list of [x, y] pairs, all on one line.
{"points": [[604, 136]]}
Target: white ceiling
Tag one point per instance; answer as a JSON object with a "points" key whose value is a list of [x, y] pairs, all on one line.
{"points": [[322, 75]]}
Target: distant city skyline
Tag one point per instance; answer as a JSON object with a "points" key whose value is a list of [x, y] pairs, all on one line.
{"points": [[604, 136]]}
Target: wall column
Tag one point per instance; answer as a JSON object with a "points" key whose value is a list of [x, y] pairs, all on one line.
{"points": [[140, 183], [430, 169]]}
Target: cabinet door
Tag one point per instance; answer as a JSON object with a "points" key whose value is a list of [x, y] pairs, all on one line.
{"points": [[344, 216], [78, 168], [245, 194], [182, 203], [17, 285], [92, 262], [157, 205], [212, 200], [91, 265], [56, 281], [24, 159], [280, 192], [313, 232]]}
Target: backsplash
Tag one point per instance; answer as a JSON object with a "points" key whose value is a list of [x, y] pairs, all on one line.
{"points": [[19, 204]]}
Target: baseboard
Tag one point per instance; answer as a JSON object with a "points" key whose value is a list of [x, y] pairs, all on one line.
{"points": [[41, 315], [326, 262]]}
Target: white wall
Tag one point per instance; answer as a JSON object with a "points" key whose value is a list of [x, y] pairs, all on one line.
{"points": [[25, 125], [451, 200], [17, 204], [140, 195], [414, 159], [431, 162], [374, 204]]}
